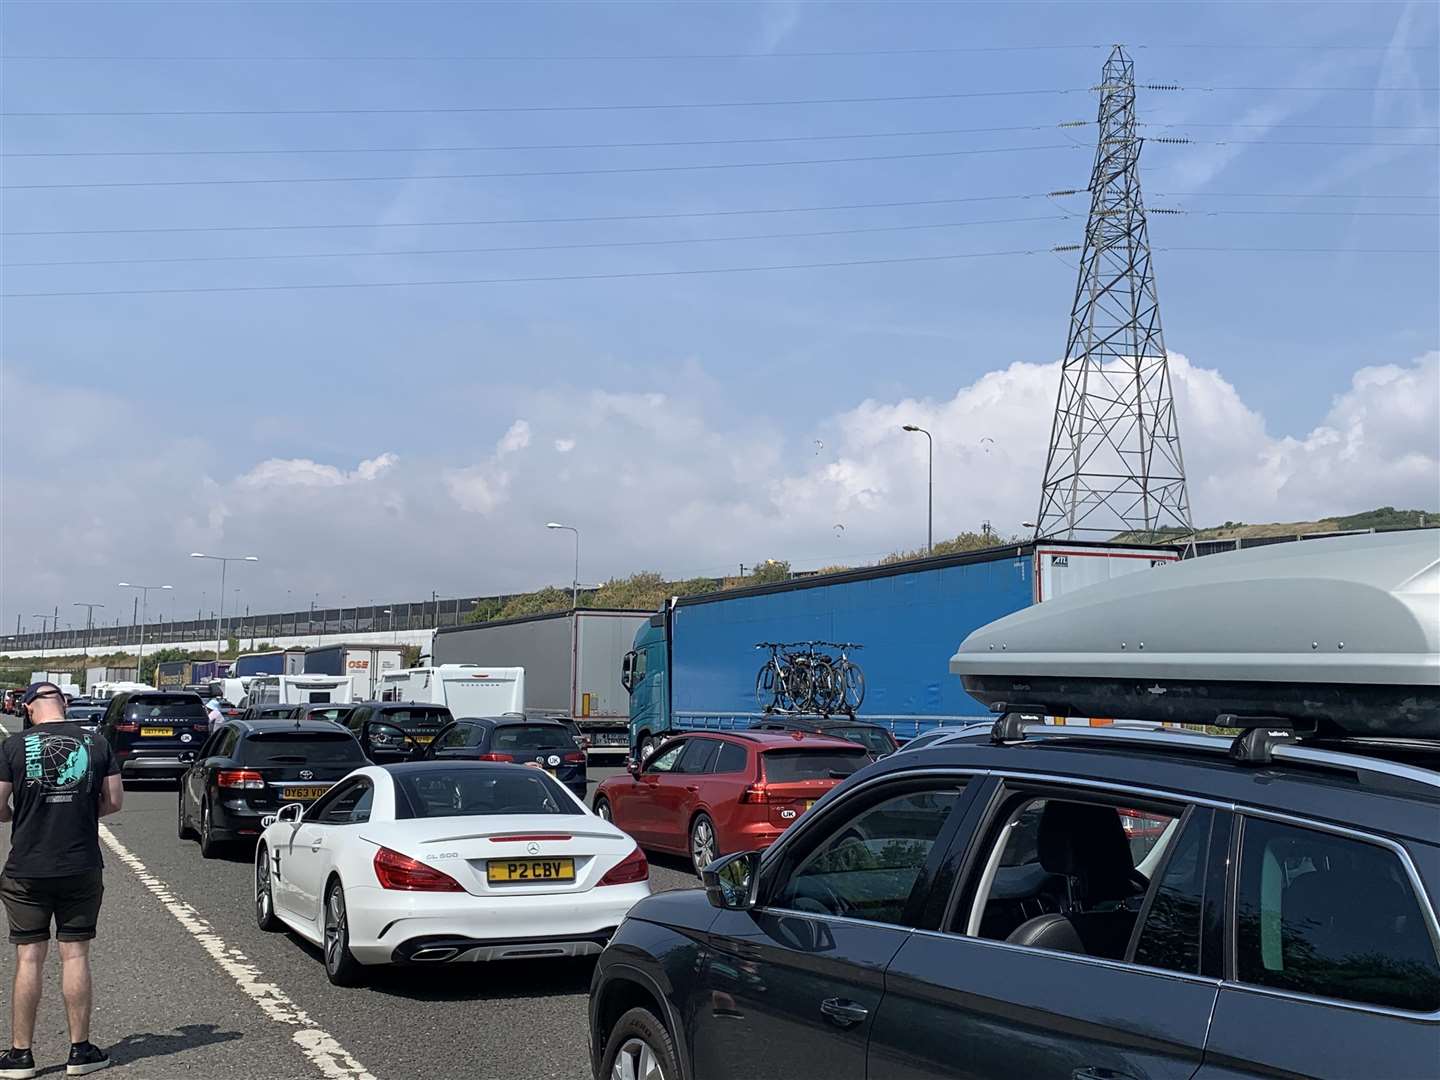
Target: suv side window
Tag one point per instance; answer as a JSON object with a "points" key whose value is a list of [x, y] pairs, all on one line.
{"points": [[731, 760], [698, 756], [664, 763], [1333, 916], [1169, 935], [866, 867], [358, 717]]}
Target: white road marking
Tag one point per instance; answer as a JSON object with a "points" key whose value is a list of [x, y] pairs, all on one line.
{"points": [[327, 1055]]}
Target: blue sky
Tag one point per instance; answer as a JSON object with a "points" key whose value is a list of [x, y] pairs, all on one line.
{"points": [[180, 397]]}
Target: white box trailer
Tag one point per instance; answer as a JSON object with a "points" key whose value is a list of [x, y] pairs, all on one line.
{"points": [[299, 690], [464, 689], [363, 663], [572, 663]]}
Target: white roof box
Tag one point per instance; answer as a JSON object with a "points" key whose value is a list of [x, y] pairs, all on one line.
{"points": [[1342, 634]]}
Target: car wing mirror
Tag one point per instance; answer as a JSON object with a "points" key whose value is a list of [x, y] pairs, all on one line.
{"points": [[732, 882], [291, 812]]}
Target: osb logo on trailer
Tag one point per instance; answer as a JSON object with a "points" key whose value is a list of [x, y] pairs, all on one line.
{"points": [[358, 665]]}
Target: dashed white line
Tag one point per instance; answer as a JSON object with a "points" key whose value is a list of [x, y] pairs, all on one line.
{"points": [[319, 1046]]}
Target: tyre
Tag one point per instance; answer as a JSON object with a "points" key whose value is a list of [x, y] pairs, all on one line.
{"points": [[639, 1048], [210, 848], [264, 893], [341, 968], [646, 746], [704, 844], [182, 826], [603, 811], [765, 689]]}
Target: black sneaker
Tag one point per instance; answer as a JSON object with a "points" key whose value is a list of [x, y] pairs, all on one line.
{"points": [[85, 1058], [17, 1065]]}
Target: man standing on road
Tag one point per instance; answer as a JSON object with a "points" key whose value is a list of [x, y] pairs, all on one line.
{"points": [[63, 779], [212, 711]]}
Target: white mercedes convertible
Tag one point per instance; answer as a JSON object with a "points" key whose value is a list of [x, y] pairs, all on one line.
{"points": [[443, 862]]}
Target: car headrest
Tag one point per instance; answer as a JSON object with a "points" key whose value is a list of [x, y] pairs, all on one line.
{"points": [[1087, 842]]}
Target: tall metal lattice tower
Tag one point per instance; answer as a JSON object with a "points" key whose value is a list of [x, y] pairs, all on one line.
{"points": [[1114, 464]]}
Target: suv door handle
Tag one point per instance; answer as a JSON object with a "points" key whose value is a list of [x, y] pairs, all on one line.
{"points": [[842, 1012]]}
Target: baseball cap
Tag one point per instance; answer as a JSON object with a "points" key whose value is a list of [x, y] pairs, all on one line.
{"points": [[34, 690]]}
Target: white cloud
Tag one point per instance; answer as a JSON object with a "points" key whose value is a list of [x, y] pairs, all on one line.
{"points": [[663, 484]]}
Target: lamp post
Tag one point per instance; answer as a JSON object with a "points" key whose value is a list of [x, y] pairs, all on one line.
{"points": [[224, 561], [575, 582], [930, 496], [89, 623], [144, 591], [44, 637], [391, 613]]}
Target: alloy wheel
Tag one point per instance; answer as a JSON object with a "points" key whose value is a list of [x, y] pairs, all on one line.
{"points": [[262, 886], [602, 811], [335, 928], [637, 1061], [702, 843]]}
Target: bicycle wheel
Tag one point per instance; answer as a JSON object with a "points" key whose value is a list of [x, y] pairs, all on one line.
{"points": [[797, 688], [854, 689], [765, 693]]}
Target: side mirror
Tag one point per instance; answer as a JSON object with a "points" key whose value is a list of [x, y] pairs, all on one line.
{"points": [[732, 882], [627, 672], [291, 812], [632, 766]]}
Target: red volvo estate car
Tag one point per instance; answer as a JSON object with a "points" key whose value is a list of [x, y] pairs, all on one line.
{"points": [[705, 795]]}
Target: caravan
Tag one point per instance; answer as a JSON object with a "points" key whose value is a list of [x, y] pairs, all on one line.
{"points": [[299, 690], [464, 689]]}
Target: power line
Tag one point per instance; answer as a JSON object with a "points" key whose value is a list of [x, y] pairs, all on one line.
{"points": [[611, 107], [1053, 218], [670, 242], [626, 57], [629, 274], [683, 214], [666, 143], [528, 173], [674, 105]]}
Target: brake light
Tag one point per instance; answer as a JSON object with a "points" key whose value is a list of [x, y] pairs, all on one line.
{"points": [[396, 871], [755, 793], [494, 757], [634, 868], [573, 759], [197, 726], [247, 779], [128, 727]]}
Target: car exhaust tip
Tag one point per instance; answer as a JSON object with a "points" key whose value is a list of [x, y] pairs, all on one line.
{"points": [[433, 954]]}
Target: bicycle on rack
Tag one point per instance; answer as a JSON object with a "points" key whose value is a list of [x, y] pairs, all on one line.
{"points": [[849, 680], [772, 681], [806, 679]]}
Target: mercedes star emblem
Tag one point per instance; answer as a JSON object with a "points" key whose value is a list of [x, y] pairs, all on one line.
{"points": [[533, 848]]}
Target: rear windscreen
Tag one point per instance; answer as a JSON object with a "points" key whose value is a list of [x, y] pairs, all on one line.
{"points": [[301, 748], [169, 706], [876, 740], [479, 793], [783, 765], [405, 719], [530, 737]]}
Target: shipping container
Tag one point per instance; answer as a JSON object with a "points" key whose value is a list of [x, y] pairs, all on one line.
{"points": [[695, 664], [363, 663], [173, 674], [572, 663]]}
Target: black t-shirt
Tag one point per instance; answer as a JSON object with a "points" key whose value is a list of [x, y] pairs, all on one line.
{"points": [[59, 772]]}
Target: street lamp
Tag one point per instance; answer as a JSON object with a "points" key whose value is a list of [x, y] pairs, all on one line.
{"points": [[930, 498], [575, 582], [89, 622], [44, 638], [224, 561], [144, 591], [391, 613]]}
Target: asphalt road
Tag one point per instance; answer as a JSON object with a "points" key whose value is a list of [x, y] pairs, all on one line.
{"points": [[187, 986]]}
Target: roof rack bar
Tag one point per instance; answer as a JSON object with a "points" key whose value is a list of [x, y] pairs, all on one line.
{"points": [[1309, 755]]}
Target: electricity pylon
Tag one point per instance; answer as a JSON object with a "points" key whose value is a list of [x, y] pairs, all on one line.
{"points": [[1114, 463]]}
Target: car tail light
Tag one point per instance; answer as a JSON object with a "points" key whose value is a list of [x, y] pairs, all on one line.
{"points": [[396, 871], [573, 759], [128, 727], [634, 868], [248, 779], [200, 727], [494, 757], [755, 793]]}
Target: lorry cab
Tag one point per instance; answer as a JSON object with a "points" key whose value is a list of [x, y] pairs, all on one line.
{"points": [[643, 676]]}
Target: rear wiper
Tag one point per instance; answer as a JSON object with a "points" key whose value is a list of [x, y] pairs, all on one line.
{"points": [[288, 760], [836, 774]]}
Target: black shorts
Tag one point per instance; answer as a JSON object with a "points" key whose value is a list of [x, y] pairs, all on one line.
{"points": [[72, 901]]}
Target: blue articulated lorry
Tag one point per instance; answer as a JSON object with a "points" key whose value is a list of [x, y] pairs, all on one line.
{"points": [[694, 664]]}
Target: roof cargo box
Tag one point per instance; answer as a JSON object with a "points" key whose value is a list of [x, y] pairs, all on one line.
{"points": [[1340, 634]]}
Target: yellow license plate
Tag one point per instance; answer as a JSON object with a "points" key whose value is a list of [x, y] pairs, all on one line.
{"points": [[305, 794], [162, 731], [507, 870], [423, 740]]}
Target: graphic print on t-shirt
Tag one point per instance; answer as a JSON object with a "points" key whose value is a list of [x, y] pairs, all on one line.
{"points": [[58, 764]]}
